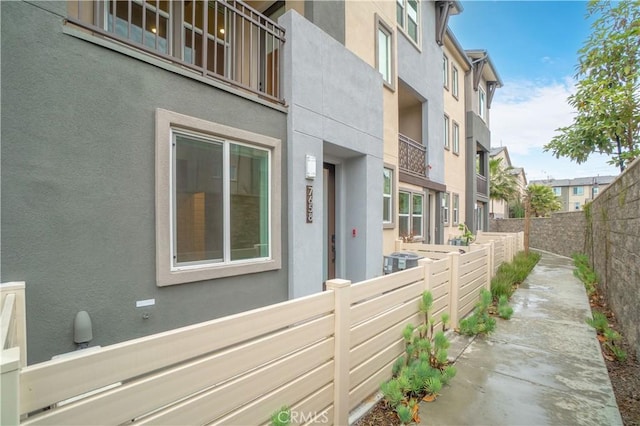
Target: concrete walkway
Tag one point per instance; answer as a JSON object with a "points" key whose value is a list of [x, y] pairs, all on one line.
{"points": [[542, 367]]}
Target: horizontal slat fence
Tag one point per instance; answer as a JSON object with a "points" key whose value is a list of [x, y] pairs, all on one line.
{"points": [[321, 355]]}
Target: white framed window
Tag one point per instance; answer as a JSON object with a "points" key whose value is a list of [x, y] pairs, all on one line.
{"points": [[557, 191], [454, 81], [209, 225], [576, 205], [410, 214], [482, 103], [384, 52], [445, 208], [446, 132], [578, 190], [445, 71], [408, 17], [387, 196], [595, 190], [456, 138], [456, 209]]}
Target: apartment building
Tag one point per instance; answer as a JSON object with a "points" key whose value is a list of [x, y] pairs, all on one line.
{"points": [[167, 163], [575, 193], [455, 66], [480, 85], [499, 209]]}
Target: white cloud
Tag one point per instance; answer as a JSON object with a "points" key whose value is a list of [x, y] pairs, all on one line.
{"points": [[525, 116]]}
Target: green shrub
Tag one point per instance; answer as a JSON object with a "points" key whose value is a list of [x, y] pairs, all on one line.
{"points": [[479, 322], [599, 322], [504, 310], [512, 273], [585, 273]]}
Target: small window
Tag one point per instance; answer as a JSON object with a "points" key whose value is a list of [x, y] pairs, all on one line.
{"points": [[446, 132], [557, 191], [216, 208], [445, 71], [482, 103], [578, 190], [384, 52], [456, 138], [410, 214], [576, 205], [454, 81], [445, 208], [596, 190], [387, 196], [456, 209]]}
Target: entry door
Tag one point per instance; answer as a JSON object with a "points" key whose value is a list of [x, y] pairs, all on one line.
{"points": [[329, 224]]}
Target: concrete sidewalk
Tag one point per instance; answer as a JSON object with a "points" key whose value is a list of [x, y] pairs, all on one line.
{"points": [[542, 367]]}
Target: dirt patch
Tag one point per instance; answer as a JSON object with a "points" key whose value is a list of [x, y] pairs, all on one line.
{"points": [[624, 375]]}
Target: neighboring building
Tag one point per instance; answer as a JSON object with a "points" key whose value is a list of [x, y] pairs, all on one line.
{"points": [[499, 209], [455, 65], [480, 86], [575, 193], [167, 163]]}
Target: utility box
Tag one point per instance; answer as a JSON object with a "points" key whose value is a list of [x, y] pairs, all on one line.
{"points": [[399, 261]]}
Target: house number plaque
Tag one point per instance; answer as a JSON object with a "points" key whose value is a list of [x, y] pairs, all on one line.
{"points": [[309, 204]]}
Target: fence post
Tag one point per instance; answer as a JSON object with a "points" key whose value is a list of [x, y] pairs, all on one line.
{"points": [[454, 290], [20, 316], [425, 264], [342, 310], [9, 386]]}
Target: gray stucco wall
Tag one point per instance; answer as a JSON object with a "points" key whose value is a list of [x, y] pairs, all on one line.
{"points": [[328, 15], [335, 114], [78, 185]]}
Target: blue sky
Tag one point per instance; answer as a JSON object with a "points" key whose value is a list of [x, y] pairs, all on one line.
{"points": [[533, 45]]}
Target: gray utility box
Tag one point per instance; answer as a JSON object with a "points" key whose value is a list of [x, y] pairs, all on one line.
{"points": [[399, 261]]}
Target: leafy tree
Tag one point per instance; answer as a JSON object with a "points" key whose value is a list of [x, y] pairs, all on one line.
{"points": [[502, 183], [542, 200], [607, 97]]}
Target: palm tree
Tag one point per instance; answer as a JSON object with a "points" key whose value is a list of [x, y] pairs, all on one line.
{"points": [[542, 200], [503, 185]]}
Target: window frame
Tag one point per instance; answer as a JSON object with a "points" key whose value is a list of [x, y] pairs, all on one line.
{"points": [[576, 205], [456, 209], [447, 139], [456, 138], [482, 103], [411, 214], [557, 191], [389, 223], [445, 71], [454, 81], [578, 191], [168, 123], [445, 208], [382, 26], [402, 10]]}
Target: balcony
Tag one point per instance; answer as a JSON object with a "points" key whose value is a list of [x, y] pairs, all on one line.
{"points": [[412, 157], [228, 41], [482, 187]]}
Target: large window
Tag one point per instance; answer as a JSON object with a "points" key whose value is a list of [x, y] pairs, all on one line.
{"points": [[216, 190], [410, 214], [446, 132], [445, 208], [384, 52], [408, 16], [456, 138], [482, 103], [456, 209], [578, 190], [454, 81], [387, 196]]}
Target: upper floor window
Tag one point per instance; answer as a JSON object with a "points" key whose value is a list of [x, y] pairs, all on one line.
{"points": [[456, 209], [595, 190], [482, 105], [456, 138], [407, 15], [557, 191], [445, 71], [410, 216], [578, 190], [216, 212], [384, 52], [446, 132], [454, 81], [387, 196]]}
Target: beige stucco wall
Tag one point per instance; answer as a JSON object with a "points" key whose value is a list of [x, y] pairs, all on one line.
{"points": [[360, 38], [454, 175]]}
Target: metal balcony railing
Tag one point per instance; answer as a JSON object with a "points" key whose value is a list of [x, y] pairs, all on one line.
{"points": [[481, 185], [412, 156], [226, 40]]}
